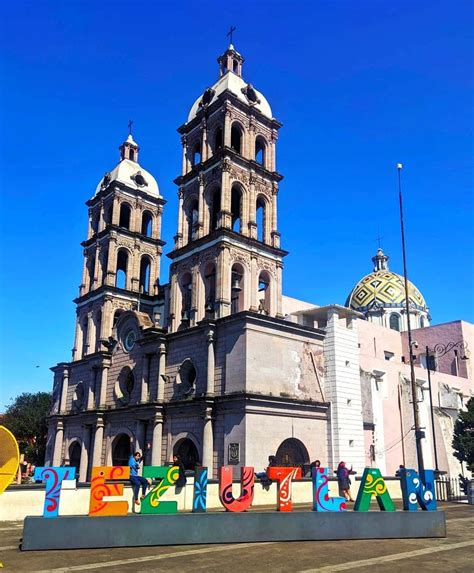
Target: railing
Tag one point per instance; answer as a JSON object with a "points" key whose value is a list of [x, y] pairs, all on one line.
{"points": [[450, 489]]}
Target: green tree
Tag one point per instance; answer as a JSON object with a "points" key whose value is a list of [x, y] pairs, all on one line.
{"points": [[463, 437], [26, 419]]}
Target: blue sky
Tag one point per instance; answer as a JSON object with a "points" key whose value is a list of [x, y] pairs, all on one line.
{"points": [[359, 86]]}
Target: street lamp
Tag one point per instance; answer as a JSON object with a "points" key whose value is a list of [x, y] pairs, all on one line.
{"points": [[439, 351], [419, 434]]}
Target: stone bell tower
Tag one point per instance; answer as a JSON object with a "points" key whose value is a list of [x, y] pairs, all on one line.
{"points": [[122, 252], [227, 256]]}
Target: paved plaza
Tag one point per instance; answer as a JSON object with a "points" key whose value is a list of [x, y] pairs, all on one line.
{"points": [[455, 553]]}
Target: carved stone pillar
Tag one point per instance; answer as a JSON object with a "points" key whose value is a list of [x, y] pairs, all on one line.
{"points": [[156, 446], [90, 333], [91, 388], [200, 229], [58, 443], [204, 143], [97, 269], [86, 431], [111, 262], [227, 126], [64, 387], [116, 211], [208, 443], [252, 224], [160, 391], [222, 283], [77, 350], [98, 443], [178, 240], [279, 310], [185, 165], [253, 283], [210, 363], [144, 384], [104, 375]]}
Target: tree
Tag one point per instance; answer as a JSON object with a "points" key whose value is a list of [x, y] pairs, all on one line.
{"points": [[463, 437], [26, 419]]}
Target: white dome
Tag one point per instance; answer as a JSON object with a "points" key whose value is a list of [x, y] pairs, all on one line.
{"points": [[125, 172], [234, 84]]}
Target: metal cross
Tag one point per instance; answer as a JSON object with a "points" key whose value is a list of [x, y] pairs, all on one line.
{"points": [[130, 123], [230, 32], [379, 238]]}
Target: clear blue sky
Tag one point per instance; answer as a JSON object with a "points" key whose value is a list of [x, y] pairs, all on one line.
{"points": [[359, 86]]}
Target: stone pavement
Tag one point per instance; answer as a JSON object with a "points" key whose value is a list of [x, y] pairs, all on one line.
{"points": [[455, 553]]}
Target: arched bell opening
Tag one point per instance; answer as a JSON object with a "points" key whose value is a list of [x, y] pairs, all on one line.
{"points": [[192, 218], [209, 280], [237, 284], [186, 287], [218, 139], [125, 215], [147, 223], [236, 207], [214, 210], [261, 209], [236, 138], [122, 269], [260, 150], [145, 269], [264, 293]]}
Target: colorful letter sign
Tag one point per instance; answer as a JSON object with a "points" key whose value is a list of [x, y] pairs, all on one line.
{"points": [[168, 476], [284, 477], [53, 476], [9, 458], [321, 499], [100, 489], [416, 489], [226, 497], [372, 483], [200, 491]]}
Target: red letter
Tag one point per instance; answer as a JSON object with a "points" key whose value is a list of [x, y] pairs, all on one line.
{"points": [[284, 477], [246, 489]]}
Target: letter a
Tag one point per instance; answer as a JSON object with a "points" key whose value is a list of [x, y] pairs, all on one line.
{"points": [[372, 483]]}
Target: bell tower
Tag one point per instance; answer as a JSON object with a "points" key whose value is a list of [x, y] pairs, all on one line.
{"points": [[227, 256], [122, 252]]}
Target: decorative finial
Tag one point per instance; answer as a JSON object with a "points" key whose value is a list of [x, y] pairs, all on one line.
{"points": [[379, 239], [230, 32], [130, 123]]}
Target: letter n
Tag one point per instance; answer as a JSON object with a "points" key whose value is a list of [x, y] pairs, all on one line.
{"points": [[418, 491]]}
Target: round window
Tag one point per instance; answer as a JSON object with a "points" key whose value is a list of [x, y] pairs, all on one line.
{"points": [[130, 340]]}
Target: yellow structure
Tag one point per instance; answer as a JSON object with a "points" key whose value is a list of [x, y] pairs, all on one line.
{"points": [[9, 458]]}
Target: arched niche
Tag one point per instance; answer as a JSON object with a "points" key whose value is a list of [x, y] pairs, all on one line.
{"points": [[121, 450], [237, 288], [292, 453]]}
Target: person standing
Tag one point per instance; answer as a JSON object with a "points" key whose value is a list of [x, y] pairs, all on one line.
{"points": [[136, 479], [344, 481]]}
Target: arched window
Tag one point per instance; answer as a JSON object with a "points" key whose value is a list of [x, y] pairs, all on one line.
{"points": [[236, 138], [121, 450], [131, 154], [260, 150], [395, 321], [236, 208], [145, 265], [75, 456], [187, 377], [422, 322], [192, 216], [186, 297], [85, 334], [237, 288], [196, 158], [264, 293], [187, 453], [108, 214], [218, 139], [147, 223], [125, 212], [122, 269], [261, 216], [235, 66], [292, 453], [95, 222], [209, 290], [215, 210]]}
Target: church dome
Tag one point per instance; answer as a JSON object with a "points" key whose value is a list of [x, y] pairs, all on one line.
{"points": [[384, 289], [130, 172], [231, 80]]}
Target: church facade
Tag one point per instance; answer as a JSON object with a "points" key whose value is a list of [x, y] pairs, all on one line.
{"points": [[217, 365]]}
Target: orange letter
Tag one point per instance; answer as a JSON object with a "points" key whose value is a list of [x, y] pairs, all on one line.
{"points": [[284, 477], [100, 489]]}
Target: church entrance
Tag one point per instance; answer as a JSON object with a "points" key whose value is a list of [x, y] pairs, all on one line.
{"points": [[75, 457], [292, 452], [121, 450], [187, 452]]}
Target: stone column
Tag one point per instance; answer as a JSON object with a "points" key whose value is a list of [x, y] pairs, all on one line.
{"points": [[222, 283], [200, 230], [274, 208], [98, 443], [185, 165], [90, 334], [160, 391], [76, 351], [111, 262], [254, 283], [175, 303], [97, 269], [84, 454], [157, 227], [102, 217], [227, 126], [64, 387], [204, 148], [91, 388], [144, 385], [104, 375], [252, 224], [278, 290], [208, 443], [105, 325], [116, 211], [156, 447], [210, 363], [197, 308], [178, 240], [82, 286], [58, 443]]}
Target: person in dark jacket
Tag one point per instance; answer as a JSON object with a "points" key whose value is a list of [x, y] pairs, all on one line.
{"points": [[137, 480], [344, 481], [181, 481]]}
